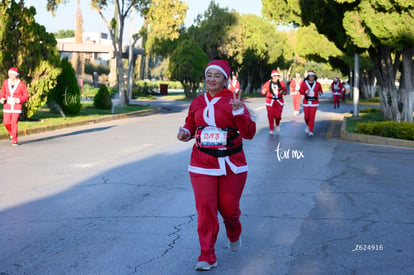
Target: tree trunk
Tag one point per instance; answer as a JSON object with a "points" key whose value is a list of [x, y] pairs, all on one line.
{"points": [[187, 88], [385, 74], [120, 67], [407, 84], [194, 89], [131, 59], [78, 58], [249, 82], [367, 84]]}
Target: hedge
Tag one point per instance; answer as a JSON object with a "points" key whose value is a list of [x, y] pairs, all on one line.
{"points": [[392, 129]]}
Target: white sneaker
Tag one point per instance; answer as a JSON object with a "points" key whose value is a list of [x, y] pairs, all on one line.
{"points": [[205, 266], [306, 129], [235, 246], [310, 134], [270, 132], [277, 129]]}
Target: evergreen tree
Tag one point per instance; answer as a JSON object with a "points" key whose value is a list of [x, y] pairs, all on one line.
{"points": [[65, 95], [27, 46], [102, 99], [187, 63]]}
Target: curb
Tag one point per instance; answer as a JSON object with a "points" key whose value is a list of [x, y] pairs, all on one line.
{"points": [[106, 118], [372, 139]]}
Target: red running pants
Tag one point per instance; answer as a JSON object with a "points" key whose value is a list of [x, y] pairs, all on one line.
{"points": [[296, 101], [215, 194], [10, 121], [274, 115], [310, 113]]}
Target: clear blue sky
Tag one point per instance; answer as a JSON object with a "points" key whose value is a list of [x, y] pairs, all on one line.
{"points": [[65, 20]]}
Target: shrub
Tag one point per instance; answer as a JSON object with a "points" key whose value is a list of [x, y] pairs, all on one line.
{"points": [[100, 69], [400, 130], [370, 110], [102, 99], [89, 91], [144, 90], [65, 96]]}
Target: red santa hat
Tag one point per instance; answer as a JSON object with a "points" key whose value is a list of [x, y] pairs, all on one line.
{"points": [[13, 71], [221, 65], [274, 72], [336, 78], [312, 73]]}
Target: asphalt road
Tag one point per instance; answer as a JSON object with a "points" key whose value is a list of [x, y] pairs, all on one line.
{"points": [[115, 198]]}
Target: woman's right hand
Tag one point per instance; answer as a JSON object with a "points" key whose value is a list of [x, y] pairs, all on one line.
{"points": [[182, 135]]}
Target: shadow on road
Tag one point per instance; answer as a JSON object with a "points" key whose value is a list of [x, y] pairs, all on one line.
{"points": [[68, 134]]}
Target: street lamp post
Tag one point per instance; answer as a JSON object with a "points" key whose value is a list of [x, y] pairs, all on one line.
{"points": [[356, 85]]}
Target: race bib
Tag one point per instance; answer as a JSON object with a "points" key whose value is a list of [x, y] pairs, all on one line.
{"points": [[213, 137], [311, 93]]}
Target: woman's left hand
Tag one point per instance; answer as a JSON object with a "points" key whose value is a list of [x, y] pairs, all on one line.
{"points": [[237, 103]]}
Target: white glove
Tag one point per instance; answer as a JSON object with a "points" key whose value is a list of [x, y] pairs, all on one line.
{"points": [[16, 100], [2, 100]]}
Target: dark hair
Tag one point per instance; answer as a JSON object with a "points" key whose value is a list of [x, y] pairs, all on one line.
{"points": [[307, 77]]}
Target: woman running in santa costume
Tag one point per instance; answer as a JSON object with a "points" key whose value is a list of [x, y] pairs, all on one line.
{"points": [[336, 88], [274, 89], [218, 121], [311, 89], [294, 92], [13, 94], [234, 85]]}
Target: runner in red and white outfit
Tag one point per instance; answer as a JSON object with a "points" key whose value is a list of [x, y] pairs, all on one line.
{"points": [[311, 89], [336, 88], [218, 120], [234, 85], [274, 90], [294, 92], [12, 94]]}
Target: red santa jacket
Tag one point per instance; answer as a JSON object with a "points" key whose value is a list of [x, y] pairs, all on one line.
{"points": [[336, 88], [273, 92], [217, 111], [295, 86], [10, 93], [311, 92]]}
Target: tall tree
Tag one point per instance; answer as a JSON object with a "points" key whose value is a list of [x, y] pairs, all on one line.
{"points": [[255, 47], [211, 28], [381, 27], [187, 63], [116, 25], [78, 58], [26, 45]]}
